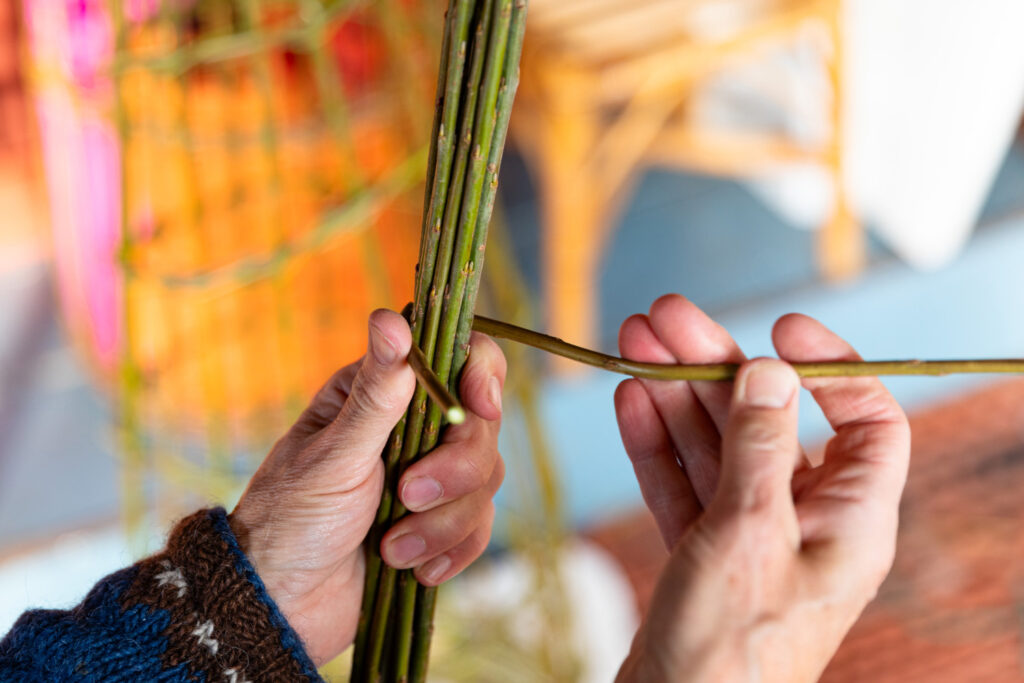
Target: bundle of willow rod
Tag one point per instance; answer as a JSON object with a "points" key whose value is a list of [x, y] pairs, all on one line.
{"points": [[476, 85]]}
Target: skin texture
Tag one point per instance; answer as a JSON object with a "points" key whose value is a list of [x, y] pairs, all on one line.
{"points": [[306, 512], [772, 559]]}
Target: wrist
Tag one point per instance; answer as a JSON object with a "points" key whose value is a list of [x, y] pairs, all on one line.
{"points": [[203, 580], [322, 607], [251, 535], [662, 657]]}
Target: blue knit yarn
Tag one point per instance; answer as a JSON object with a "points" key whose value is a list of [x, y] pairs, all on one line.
{"points": [[102, 641], [96, 641]]}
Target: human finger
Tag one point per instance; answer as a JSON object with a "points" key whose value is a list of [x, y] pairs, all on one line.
{"points": [[692, 337], [482, 381], [666, 490], [468, 453], [380, 392], [871, 427], [417, 538], [693, 434], [446, 565], [454, 469], [759, 447]]}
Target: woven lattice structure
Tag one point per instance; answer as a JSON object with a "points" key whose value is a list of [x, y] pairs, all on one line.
{"points": [[234, 186]]}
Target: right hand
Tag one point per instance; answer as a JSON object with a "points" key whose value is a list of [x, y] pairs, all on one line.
{"points": [[772, 560]]}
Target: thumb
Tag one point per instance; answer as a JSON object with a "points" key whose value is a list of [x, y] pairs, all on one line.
{"points": [[381, 389], [759, 446]]}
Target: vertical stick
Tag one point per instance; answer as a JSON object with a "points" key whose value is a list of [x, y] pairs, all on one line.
{"points": [[439, 311], [463, 178], [440, 156], [504, 68], [506, 96], [380, 579]]}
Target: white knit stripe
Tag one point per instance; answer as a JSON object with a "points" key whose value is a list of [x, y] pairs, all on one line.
{"points": [[171, 575], [203, 633], [234, 677]]}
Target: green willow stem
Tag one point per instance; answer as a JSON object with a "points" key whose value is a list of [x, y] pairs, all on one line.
{"points": [[727, 371], [436, 142], [423, 632], [476, 82], [443, 153], [439, 240], [379, 581], [477, 144], [492, 125], [443, 307], [506, 95], [374, 562], [377, 615]]}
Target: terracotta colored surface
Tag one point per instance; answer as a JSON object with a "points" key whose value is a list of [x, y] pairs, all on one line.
{"points": [[953, 607]]}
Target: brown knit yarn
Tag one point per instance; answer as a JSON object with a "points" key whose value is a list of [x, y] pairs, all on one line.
{"points": [[219, 627]]}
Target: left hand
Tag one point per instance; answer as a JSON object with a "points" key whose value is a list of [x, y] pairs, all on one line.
{"points": [[308, 508]]}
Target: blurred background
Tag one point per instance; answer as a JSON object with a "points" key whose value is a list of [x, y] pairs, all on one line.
{"points": [[202, 200]]}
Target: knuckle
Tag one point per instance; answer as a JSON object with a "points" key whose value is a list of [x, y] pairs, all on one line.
{"points": [[753, 503], [370, 397], [447, 529], [478, 544], [486, 349], [485, 359], [762, 436], [366, 402], [707, 540], [498, 476], [474, 471], [756, 501], [900, 428], [866, 587]]}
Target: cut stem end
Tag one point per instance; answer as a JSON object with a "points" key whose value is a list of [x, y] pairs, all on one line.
{"points": [[435, 389]]}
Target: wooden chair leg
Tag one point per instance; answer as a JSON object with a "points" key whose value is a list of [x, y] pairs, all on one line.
{"points": [[572, 216], [842, 247]]}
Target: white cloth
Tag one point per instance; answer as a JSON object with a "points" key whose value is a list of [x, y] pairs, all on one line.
{"points": [[934, 90]]}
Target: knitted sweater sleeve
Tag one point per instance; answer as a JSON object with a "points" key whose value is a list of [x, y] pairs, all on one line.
{"points": [[195, 612]]}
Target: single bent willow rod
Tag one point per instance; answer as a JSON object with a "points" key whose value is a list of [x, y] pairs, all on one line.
{"points": [[707, 372], [727, 371]]}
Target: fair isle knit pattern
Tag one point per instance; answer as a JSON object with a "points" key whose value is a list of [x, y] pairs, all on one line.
{"points": [[195, 612]]}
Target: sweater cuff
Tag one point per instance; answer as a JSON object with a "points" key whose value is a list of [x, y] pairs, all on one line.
{"points": [[223, 626]]}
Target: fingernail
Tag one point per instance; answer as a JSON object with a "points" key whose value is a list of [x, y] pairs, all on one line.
{"points": [[433, 571], [419, 492], [383, 350], [494, 392], [767, 384], [406, 548]]}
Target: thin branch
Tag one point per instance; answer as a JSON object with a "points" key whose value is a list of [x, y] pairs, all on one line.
{"points": [[727, 371], [506, 95], [437, 391]]}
